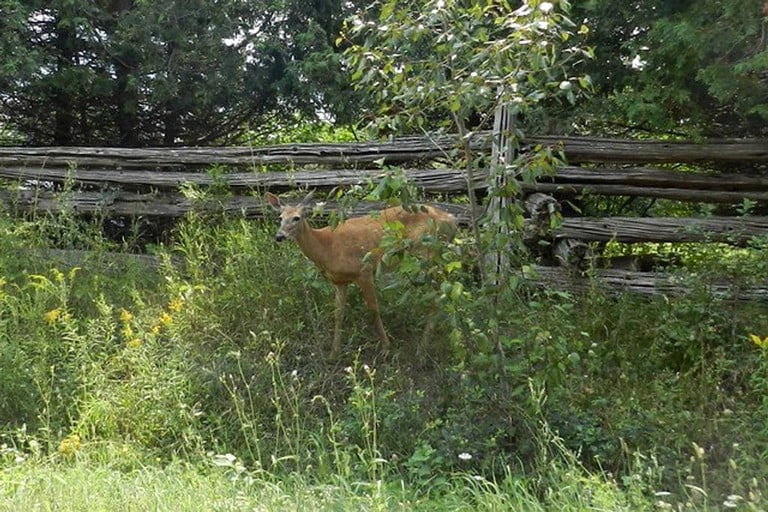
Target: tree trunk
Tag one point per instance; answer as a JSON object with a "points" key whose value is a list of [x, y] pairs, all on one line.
{"points": [[170, 109], [126, 94], [63, 104]]}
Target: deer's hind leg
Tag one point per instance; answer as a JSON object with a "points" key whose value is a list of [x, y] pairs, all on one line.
{"points": [[368, 289]]}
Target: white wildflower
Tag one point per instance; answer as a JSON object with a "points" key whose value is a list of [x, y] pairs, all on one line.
{"points": [[638, 63], [226, 459], [732, 501], [524, 10]]}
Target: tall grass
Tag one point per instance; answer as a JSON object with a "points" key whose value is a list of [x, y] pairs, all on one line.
{"points": [[210, 373], [184, 487]]}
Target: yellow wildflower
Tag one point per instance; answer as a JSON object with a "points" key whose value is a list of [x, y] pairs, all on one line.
{"points": [[156, 329], [58, 275], [127, 332], [69, 445], [760, 342], [176, 304], [133, 343], [53, 316], [166, 319], [125, 316]]}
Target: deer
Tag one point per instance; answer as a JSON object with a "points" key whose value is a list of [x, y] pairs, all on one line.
{"points": [[350, 252]]}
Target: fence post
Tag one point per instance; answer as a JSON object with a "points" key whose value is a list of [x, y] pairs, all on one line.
{"points": [[503, 155]]}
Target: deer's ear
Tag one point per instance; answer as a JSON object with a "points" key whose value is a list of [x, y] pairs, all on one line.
{"points": [[307, 198], [273, 200]]}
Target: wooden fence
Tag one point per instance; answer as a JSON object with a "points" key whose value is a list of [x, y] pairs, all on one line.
{"points": [[147, 182]]}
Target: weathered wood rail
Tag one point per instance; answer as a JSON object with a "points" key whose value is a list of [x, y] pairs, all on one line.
{"points": [[681, 186], [596, 149], [147, 182], [450, 181], [642, 283], [736, 230], [578, 150], [168, 168]]}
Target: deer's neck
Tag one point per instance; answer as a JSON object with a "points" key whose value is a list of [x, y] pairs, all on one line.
{"points": [[315, 244]]}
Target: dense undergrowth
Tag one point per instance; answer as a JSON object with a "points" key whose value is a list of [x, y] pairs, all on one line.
{"points": [[213, 368]]}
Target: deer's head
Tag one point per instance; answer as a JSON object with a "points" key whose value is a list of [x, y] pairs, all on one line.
{"points": [[291, 217]]}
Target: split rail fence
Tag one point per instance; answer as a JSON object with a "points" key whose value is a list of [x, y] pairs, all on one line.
{"points": [[123, 182]]}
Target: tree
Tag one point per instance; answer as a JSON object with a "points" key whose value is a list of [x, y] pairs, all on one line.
{"points": [[133, 72], [448, 64], [684, 67], [451, 65]]}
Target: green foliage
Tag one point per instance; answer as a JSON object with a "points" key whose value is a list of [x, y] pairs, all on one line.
{"points": [[758, 380], [274, 132], [698, 66], [143, 73], [451, 65], [440, 63], [223, 348], [223, 482]]}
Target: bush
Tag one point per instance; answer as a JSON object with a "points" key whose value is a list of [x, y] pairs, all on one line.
{"points": [[223, 348]]}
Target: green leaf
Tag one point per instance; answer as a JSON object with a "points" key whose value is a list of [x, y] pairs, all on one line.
{"points": [[452, 266]]}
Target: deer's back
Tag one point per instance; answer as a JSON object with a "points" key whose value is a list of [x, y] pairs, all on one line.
{"points": [[355, 238], [422, 220]]}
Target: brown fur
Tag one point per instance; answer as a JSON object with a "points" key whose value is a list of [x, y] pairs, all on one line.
{"points": [[340, 253]]}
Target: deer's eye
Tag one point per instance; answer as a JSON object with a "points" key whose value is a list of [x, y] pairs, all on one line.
{"points": [[296, 218]]}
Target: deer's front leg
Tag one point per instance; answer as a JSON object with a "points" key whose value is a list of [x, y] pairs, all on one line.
{"points": [[341, 301]]}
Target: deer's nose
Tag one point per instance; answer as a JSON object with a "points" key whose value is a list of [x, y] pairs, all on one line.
{"points": [[280, 237]]}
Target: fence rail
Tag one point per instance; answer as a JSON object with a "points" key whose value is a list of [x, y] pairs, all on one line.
{"points": [[409, 149], [147, 182], [682, 186]]}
